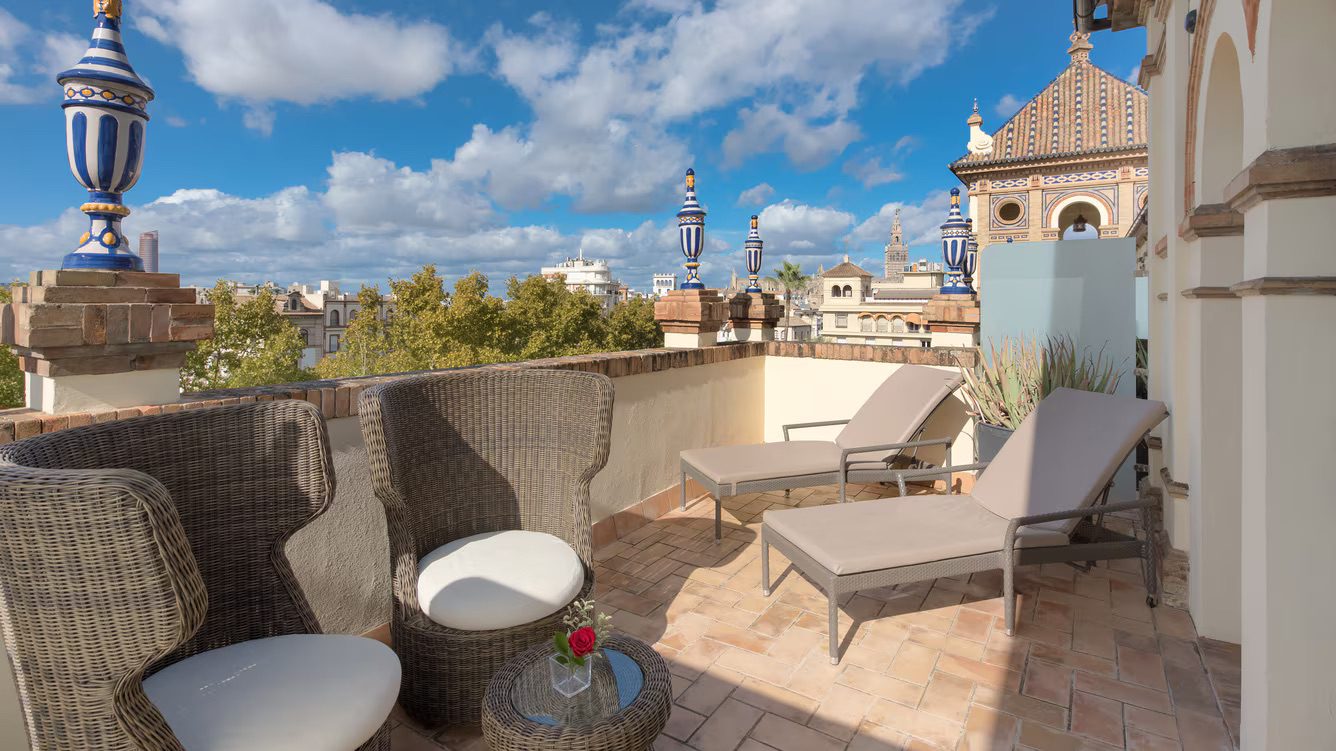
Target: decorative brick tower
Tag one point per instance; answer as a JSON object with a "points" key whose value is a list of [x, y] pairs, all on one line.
{"points": [[752, 312], [692, 315], [101, 333], [91, 340], [953, 313]]}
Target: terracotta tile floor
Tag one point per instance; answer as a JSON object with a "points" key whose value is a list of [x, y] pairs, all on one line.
{"points": [[926, 666]]}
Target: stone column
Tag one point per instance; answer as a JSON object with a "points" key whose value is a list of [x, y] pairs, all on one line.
{"points": [[91, 340], [691, 318], [953, 320], [754, 316]]}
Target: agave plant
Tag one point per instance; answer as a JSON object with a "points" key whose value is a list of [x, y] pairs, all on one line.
{"points": [[1007, 385]]}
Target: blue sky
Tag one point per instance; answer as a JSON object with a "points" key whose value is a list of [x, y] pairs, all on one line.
{"points": [[296, 140]]}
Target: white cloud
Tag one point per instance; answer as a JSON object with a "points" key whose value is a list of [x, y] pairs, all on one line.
{"points": [[607, 113], [871, 172], [176, 121], [370, 195], [920, 222], [1007, 105], [807, 144], [301, 51], [756, 195], [34, 57], [800, 230], [1135, 76]]}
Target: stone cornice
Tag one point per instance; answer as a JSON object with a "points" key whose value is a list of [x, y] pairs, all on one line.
{"points": [[1209, 293], [1151, 64], [1162, 247], [1284, 173], [1022, 166], [1211, 220], [1286, 285]]}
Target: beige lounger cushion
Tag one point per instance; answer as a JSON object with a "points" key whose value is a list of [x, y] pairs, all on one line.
{"points": [[899, 406], [763, 461], [893, 414], [852, 538], [1063, 453]]}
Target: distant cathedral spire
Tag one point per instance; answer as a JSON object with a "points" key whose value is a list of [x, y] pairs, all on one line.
{"points": [[897, 253]]}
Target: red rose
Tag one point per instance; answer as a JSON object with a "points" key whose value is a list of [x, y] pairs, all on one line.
{"points": [[582, 641]]}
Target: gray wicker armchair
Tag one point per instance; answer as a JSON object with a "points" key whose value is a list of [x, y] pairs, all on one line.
{"points": [[456, 457], [132, 551]]}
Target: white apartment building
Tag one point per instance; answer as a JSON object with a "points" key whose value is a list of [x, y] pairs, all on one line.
{"points": [[664, 283], [590, 275], [858, 309]]}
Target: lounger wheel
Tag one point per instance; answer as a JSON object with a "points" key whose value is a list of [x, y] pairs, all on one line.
{"points": [[1152, 601], [765, 591]]}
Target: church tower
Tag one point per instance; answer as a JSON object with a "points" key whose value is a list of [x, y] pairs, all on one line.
{"points": [[897, 253]]}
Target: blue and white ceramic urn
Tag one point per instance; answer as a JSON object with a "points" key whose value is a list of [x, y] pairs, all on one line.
{"points": [[955, 245], [691, 233], [106, 111], [754, 247]]}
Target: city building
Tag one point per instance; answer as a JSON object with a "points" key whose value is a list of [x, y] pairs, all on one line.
{"points": [[664, 283], [1075, 151], [148, 250], [592, 276], [858, 309], [320, 312]]}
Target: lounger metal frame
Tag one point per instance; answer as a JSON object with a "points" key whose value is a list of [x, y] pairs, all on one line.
{"points": [[1091, 543], [849, 471]]}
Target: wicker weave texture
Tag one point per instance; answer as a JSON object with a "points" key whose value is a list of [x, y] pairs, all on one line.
{"points": [[633, 729], [466, 452], [127, 546]]}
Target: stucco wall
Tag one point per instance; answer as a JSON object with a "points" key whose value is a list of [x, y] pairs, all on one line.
{"points": [[813, 389]]}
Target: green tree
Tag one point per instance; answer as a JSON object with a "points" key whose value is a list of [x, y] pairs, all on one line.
{"points": [[546, 319], [252, 345], [365, 344], [476, 329], [792, 278], [417, 332], [632, 325], [11, 378]]}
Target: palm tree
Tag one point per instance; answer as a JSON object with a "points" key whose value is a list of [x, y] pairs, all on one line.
{"points": [[791, 276]]}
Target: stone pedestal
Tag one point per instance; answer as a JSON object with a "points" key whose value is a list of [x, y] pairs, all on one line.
{"points": [[92, 340], [691, 318], [953, 320], [754, 316]]}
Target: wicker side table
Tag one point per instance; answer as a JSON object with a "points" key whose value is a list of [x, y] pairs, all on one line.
{"points": [[617, 712]]}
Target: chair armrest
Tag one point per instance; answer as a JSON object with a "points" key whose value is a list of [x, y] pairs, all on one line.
{"points": [[844, 453], [1078, 513], [914, 474], [820, 424]]}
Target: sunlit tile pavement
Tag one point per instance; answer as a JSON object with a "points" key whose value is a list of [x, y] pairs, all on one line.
{"points": [[925, 666]]}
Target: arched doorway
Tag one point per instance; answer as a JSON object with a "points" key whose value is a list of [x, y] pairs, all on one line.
{"points": [[1071, 218]]}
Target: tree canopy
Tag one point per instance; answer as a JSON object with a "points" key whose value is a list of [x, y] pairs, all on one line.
{"points": [[11, 378], [432, 328], [252, 345]]}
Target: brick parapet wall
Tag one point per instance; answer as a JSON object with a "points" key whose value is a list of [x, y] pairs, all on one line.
{"points": [[339, 397]]}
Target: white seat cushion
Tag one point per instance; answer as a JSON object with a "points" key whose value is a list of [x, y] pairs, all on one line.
{"points": [[285, 693], [498, 580]]}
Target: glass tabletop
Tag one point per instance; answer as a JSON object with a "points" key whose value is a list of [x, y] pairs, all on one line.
{"points": [[615, 682]]}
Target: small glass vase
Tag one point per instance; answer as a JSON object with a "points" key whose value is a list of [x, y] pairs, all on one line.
{"points": [[569, 680]]}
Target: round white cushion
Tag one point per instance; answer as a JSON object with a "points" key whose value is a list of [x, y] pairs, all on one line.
{"points": [[498, 580], [285, 693]]}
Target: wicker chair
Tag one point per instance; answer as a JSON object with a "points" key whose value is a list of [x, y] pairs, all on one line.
{"points": [[129, 547], [464, 453]]}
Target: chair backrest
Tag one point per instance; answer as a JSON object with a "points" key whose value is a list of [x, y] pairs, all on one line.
{"points": [[97, 582], [243, 478], [899, 406], [1064, 453], [463, 452]]}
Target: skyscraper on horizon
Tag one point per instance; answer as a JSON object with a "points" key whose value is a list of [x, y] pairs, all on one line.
{"points": [[148, 250]]}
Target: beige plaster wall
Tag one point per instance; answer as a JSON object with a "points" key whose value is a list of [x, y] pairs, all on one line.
{"points": [[801, 389]]}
